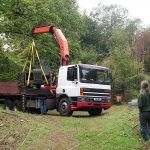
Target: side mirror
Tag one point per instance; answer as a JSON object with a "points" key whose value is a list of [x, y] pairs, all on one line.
{"points": [[110, 76]]}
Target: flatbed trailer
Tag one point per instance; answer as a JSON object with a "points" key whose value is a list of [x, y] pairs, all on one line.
{"points": [[26, 98], [9, 90]]}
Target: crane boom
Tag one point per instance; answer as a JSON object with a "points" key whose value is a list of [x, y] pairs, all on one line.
{"points": [[60, 38]]}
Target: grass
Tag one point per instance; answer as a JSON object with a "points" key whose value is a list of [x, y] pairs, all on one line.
{"points": [[116, 129]]}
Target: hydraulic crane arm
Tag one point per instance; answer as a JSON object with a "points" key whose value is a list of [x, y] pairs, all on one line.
{"points": [[60, 38]]}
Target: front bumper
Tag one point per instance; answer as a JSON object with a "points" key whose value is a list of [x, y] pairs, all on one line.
{"points": [[90, 105]]}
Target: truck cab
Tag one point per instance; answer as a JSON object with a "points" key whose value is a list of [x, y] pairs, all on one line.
{"points": [[83, 87]]}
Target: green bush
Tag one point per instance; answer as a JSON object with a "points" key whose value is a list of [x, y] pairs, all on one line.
{"points": [[9, 69], [134, 81], [133, 85], [147, 77]]}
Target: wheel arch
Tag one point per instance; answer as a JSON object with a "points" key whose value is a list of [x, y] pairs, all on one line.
{"points": [[60, 97]]}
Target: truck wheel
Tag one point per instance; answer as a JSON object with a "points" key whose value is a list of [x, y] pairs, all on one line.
{"points": [[17, 105], [64, 107], [95, 112], [8, 104], [38, 110]]}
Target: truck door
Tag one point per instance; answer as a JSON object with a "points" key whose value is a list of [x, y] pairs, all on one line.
{"points": [[72, 81]]}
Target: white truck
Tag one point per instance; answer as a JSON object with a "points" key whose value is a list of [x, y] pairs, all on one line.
{"points": [[80, 87], [83, 87]]}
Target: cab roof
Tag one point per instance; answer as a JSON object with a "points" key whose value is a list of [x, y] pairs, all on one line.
{"points": [[93, 66], [89, 66]]}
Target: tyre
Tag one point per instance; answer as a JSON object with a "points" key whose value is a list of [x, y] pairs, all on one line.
{"points": [[64, 107], [17, 105], [95, 112], [8, 104], [36, 110]]}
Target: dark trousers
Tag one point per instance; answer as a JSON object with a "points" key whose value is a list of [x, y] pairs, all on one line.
{"points": [[145, 125], [43, 106]]}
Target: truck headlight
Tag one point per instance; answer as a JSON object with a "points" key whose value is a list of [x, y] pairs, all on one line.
{"points": [[81, 91]]}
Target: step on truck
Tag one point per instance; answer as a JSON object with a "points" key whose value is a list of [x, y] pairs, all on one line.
{"points": [[80, 87]]}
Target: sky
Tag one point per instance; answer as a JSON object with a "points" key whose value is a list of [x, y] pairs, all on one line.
{"points": [[137, 8]]}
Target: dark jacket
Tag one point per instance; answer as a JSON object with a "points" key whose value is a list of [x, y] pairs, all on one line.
{"points": [[144, 102]]}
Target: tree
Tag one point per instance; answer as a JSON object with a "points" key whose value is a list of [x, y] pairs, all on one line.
{"points": [[99, 26], [87, 57], [109, 17], [20, 16], [121, 60], [9, 69], [91, 37]]}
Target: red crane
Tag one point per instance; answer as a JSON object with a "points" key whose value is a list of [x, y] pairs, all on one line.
{"points": [[60, 38]]}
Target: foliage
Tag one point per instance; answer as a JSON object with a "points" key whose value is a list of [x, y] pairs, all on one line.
{"points": [[147, 62], [9, 69], [107, 34], [20, 16], [147, 77], [87, 57], [107, 18], [121, 60], [91, 38], [100, 25], [133, 85], [134, 81]]}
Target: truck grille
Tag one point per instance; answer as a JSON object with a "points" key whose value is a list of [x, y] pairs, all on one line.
{"points": [[96, 92]]}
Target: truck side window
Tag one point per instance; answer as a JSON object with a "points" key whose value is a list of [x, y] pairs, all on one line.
{"points": [[72, 73]]}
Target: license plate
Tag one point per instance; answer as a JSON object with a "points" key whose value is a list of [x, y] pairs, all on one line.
{"points": [[97, 99]]}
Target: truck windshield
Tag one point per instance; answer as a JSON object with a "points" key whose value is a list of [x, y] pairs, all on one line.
{"points": [[94, 76]]}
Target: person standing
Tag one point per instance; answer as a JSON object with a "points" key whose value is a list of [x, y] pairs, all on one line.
{"points": [[144, 110], [42, 101], [43, 106]]}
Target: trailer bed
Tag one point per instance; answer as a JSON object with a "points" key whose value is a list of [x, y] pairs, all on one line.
{"points": [[9, 89]]}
